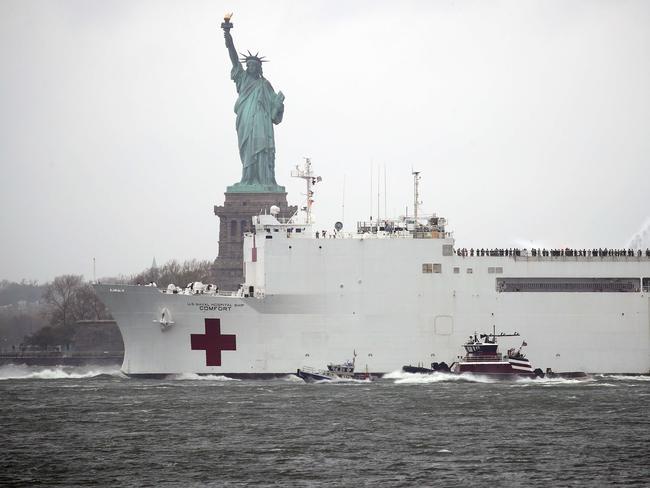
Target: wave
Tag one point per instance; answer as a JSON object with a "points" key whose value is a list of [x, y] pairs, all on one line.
{"points": [[292, 378], [198, 377], [622, 377], [21, 372]]}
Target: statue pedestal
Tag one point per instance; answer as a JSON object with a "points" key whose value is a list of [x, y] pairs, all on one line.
{"points": [[235, 216]]}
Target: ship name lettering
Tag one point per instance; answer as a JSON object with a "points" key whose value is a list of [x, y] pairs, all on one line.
{"points": [[219, 307]]}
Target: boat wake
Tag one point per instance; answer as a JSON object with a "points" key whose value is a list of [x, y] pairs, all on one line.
{"points": [[551, 381], [401, 377], [22, 372]]}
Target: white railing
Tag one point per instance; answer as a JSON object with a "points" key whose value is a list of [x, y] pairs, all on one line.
{"points": [[497, 357]]}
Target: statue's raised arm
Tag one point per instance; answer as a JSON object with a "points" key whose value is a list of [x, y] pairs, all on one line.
{"points": [[231, 47], [226, 25]]}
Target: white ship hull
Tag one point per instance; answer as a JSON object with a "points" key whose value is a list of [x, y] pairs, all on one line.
{"points": [[314, 301]]}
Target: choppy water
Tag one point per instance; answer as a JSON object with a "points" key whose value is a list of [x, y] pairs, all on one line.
{"points": [[82, 426]]}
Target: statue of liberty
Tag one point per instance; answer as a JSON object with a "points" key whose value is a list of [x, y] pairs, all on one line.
{"points": [[258, 107]]}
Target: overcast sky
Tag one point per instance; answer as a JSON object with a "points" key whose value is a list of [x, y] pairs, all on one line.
{"points": [[530, 121]]}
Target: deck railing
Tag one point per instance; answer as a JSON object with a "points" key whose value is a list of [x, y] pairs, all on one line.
{"points": [[491, 357]]}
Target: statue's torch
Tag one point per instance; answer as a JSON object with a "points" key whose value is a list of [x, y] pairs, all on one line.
{"points": [[226, 24]]}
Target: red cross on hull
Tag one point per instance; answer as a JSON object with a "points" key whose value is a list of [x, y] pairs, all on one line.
{"points": [[213, 342]]}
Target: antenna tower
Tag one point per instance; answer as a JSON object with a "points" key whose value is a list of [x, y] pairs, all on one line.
{"points": [[311, 179], [416, 194]]}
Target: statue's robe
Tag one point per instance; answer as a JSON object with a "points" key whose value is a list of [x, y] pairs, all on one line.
{"points": [[258, 108]]}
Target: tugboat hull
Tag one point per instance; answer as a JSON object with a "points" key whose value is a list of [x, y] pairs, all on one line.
{"points": [[313, 377], [496, 369], [417, 370], [316, 376]]}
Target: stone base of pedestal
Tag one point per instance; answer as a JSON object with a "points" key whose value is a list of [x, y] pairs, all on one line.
{"points": [[235, 219]]}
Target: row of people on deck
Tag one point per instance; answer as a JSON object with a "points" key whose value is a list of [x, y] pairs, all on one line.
{"points": [[464, 252]]}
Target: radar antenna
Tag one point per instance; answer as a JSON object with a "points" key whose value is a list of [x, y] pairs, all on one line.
{"points": [[311, 179]]}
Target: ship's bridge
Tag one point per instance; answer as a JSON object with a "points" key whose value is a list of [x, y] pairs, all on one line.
{"points": [[426, 227], [271, 226], [432, 227]]}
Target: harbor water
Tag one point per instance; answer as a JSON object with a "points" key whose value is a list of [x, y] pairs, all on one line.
{"points": [[85, 426]]}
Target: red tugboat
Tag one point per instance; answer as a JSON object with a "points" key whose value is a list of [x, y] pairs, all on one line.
{"points": [[483, 357]]}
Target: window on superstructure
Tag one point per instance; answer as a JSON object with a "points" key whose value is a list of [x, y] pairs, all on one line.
{"points": [[491, 270], [646, 284], [456, 270], [470, 270], [437, 268], [569, 285], [427, 268], [498, 270]]}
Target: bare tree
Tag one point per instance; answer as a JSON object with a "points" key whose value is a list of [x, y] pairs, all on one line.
{"points": [[86, 305], [68, 300], [60, 295]]}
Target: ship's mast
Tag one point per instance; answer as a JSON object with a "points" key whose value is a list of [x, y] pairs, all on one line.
{"points": [[378, 195], [311, 179], [416, 194]]}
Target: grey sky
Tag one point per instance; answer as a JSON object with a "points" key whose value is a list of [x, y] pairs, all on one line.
{"points": [[528, 120]]}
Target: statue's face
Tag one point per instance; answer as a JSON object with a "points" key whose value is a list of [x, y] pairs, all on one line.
{"points": [[254, 67]]}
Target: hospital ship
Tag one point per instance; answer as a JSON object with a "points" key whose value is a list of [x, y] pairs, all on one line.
{"points": [[395, 292]]}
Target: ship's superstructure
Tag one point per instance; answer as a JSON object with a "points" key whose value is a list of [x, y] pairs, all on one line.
{"points": [[396, 291]]}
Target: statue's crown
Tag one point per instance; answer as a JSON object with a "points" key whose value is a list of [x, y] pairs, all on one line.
{"points": [[252, 57]]}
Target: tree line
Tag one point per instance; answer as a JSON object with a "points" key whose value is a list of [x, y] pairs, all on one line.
{"points": [[44, 316]]}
